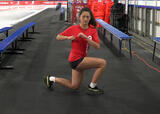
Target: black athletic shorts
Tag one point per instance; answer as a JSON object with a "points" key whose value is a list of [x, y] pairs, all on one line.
{"points": [[74, 64]]}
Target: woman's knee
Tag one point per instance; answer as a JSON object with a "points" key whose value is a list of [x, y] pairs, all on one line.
{"points": [[75, 87], [103, 63]]}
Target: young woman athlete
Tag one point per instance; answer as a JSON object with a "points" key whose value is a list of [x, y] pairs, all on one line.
{"points": [[82, 36]]}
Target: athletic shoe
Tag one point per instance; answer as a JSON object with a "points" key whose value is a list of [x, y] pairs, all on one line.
{"points": [[47, 82], [94, 91]]}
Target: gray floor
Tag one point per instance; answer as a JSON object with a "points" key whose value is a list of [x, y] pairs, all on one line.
{"points": [[130, 86]]}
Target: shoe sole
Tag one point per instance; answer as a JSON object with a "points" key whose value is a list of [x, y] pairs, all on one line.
{"points": [[46, 82], [89, 92]]}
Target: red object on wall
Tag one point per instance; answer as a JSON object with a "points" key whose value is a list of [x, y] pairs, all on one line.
{"points": [[101, 9], [77, 6], [98, 10], [108, 6]]}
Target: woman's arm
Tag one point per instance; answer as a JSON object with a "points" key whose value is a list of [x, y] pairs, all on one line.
{"points": [[61, 37], [90, 41]]}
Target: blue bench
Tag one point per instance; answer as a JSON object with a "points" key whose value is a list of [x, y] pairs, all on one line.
{"points": [[31, 24], [12, 41], [5, 30], [26, 27], [117, 33], [156, 40]]}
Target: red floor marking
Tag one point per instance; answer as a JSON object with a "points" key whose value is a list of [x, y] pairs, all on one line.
{"points": [[145, 62]]}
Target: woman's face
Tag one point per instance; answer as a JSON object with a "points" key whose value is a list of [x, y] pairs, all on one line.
{"points": [[85, 18]]}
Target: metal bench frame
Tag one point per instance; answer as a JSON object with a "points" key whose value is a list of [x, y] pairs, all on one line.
{"points": [[117, 33]]}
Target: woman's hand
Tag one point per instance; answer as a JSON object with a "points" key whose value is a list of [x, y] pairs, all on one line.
{"points": [[90, 41], [82, 35]]}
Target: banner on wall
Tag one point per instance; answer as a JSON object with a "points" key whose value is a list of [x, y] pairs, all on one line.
{"points": [[6, 3]]}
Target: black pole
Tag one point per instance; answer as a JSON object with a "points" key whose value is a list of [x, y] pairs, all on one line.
{"points": [[115, 1], [67, 11]]}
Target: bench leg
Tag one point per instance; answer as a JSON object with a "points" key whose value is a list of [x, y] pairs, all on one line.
{"points": [[15, 49], [120, 46], [1, 55], [104, 34], [154, 51], [33, 29], [130, 49], [111, 37], [23, 38], [27, 33], [7, 33], [23, 35]]}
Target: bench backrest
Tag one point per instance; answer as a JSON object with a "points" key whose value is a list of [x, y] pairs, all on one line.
{"points": [[113, 30]]}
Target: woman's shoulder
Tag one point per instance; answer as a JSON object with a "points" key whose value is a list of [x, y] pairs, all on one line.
{"points": [[92, 28], [71, 27]]}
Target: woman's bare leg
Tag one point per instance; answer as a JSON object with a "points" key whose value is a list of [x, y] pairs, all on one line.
{"points": [[77, 74], [91, 62], [77, 77]]}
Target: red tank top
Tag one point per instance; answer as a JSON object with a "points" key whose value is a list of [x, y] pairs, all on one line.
{"points": [[80, 45]]}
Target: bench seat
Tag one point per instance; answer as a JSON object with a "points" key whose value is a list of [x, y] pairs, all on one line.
{"points": [[117, 33]]}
